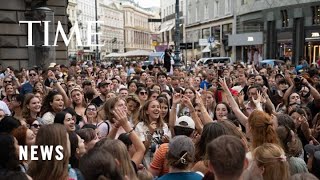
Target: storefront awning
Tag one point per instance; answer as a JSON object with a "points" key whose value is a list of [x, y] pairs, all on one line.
{"points": [[246, 39], [206, 49], [166, 28]]}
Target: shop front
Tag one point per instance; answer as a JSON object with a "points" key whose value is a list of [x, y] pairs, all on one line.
{"points": [[312, 46], [249, 46], [284, 45]]}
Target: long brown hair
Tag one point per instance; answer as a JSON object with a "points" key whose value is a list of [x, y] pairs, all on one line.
{"points": [[105, 112], [262, 130], [144, 117], [26, 111], [272, 158], [53, 134], [120, 152]]}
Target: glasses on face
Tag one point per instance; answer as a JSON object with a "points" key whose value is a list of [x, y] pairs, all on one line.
{"points": [[91, 109], [71, 85], [36, 125], [7, 81], [142, 93], [33, 74]]}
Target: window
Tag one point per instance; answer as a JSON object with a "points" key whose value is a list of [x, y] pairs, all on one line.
{"points": [[216, 9], [315, 14], [285, 18], [189, 17], [243, 2], [206, 12], [197, 14], [227, 6]]}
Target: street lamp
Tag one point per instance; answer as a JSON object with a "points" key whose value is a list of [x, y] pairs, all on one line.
{"points": [[177, 60], [97, 40]]}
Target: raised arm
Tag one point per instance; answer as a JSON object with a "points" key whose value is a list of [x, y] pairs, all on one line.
{"points": [[234, 106], [193, 113], [122, 118], [173, 112]]}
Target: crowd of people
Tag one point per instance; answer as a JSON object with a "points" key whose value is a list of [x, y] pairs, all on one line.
{"points": [[117, 122]]}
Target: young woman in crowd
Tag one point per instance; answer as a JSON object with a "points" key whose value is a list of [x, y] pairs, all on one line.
{"points": [[143, 94], [209, 133], [78, 101], [25, 137], [133, 107], [270, 162], [40, 88], [151, 129], [31, 108], [165, 111], [182, 109], [53, 134], [89, 137], [65, 119], [98, 163], [16, 106], [52, 104], [9, 155], [153, 95], [150, 81], [77, 149], [132, 87]]}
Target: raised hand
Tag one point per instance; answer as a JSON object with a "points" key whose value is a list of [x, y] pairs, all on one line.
{"points": [[187, 102], [223, 84], [258, 100], [176, 99], [120, 116]]}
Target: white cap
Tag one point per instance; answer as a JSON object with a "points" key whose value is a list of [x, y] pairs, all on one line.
{"points": [[185, 121]]}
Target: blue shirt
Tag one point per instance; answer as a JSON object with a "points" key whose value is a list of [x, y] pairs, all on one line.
{"points": [[205, 83], [26, 88], [181, 176]]}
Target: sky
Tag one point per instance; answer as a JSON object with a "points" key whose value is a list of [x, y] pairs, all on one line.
{"points": [[148, 3]]}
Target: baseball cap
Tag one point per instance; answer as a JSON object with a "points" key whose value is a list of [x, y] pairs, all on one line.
{"points": [[311, 149], [102, 83], [181, 144], [185, 121]]}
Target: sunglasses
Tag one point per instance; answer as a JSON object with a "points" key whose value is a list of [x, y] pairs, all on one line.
{"points": [[7, 81], [32, 74], [71, 85], [91, 109], [36, 126], [143, 93]]}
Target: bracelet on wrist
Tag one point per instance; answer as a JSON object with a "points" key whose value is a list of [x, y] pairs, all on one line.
{"points": [[128, 133]]}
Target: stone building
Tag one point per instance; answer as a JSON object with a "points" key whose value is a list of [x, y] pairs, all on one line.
{"points": [[277, 29], [137, 32], [206, 19], [13, 37], [72, 14], [112, 29]]}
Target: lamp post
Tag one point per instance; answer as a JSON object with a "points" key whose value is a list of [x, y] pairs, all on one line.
{"points": [[97, 40], [177, 60]]}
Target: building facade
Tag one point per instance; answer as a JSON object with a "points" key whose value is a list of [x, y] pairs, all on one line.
{"points": [[112, 29], [86, 12], [167, 28], [209, 19], [137, 32], [14, 36], [277, 30], [72, 15]]}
